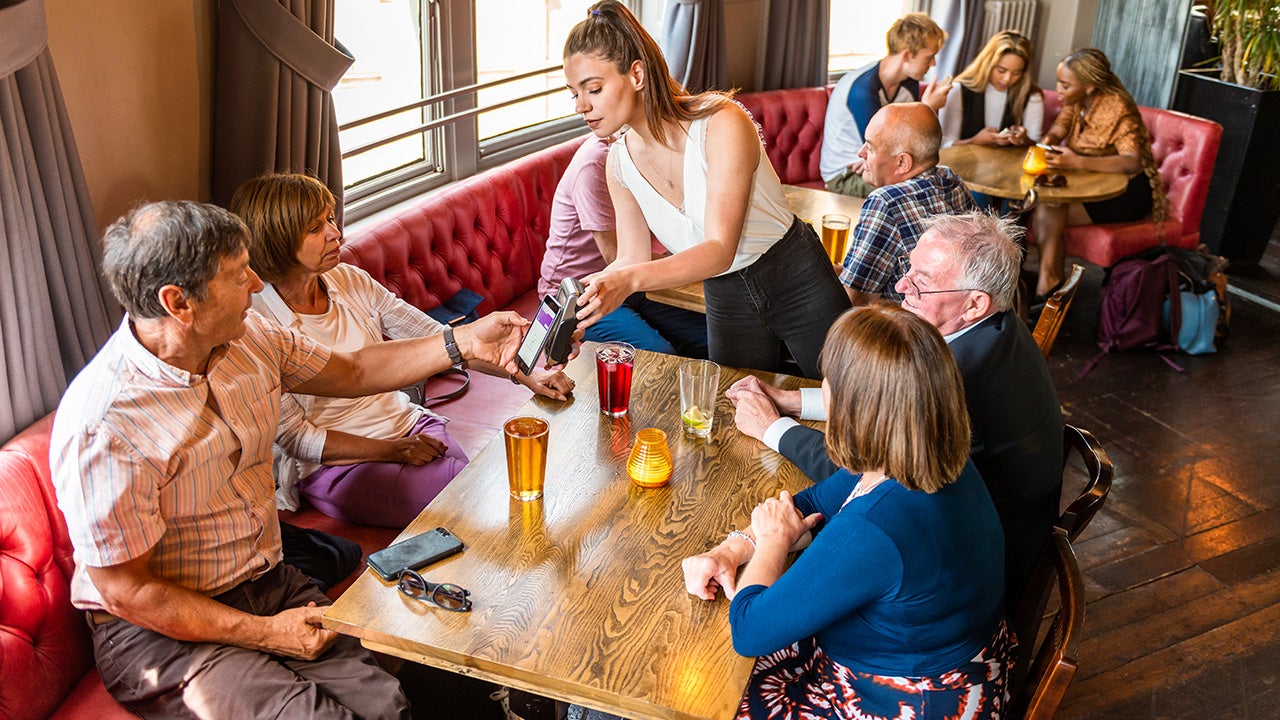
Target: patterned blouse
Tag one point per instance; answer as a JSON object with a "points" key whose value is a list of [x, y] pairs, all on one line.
{"points": [[1108, 128]]}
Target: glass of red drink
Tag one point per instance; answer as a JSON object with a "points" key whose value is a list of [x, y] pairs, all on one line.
{"points": [[614, 362]]}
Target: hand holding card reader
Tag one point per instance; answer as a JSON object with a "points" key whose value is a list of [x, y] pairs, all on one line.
{"points": [[552, 328]]}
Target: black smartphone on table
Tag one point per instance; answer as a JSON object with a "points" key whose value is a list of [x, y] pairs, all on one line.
{"points": [[418, 551]]}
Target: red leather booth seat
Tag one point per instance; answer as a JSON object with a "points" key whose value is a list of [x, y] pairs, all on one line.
{"points": [[791, 124], [1185, 148], [46, 661], [486, 233]]}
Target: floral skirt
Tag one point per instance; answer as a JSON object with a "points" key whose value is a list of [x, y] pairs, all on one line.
{"points": [[801, 682]]}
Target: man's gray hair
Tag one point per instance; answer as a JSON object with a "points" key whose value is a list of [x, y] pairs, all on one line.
{"points": [[989, 254], [174, 242]]}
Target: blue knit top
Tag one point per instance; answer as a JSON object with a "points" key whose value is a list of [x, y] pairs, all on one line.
{"points": [[897, 582]]}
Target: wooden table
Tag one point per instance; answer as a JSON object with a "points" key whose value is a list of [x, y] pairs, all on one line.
{"points": [[808, 204], [997, 171], [579, 596]]}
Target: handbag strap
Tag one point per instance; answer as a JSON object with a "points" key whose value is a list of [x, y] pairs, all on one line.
{"points": [[456, 392]]}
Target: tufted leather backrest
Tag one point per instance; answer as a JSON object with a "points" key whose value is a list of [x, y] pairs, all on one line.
{"points": [[1052, 106], [1185, 148], [486, 233], [791, 123], [44, 643]]}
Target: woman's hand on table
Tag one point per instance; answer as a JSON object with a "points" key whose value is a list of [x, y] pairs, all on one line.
{"points": [[708, 573], [778, 522], [552, 383], [990, 136]]}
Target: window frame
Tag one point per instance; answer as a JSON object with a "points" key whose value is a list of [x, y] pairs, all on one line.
{"points": [[451, 29]]}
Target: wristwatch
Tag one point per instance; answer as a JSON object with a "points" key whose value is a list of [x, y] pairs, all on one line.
{"points": [[451, 347]]}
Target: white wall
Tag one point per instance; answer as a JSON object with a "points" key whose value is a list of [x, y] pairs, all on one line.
{"points": [[1064, 25]]}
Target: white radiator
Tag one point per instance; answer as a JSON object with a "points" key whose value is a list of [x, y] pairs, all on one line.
{"points": [[1017, 15]]}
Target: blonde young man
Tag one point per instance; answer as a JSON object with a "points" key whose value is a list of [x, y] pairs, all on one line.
{"points": [[913, 42]]}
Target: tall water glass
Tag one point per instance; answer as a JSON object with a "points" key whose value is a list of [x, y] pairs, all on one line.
{"points": [[699, 385], [614, 363]]}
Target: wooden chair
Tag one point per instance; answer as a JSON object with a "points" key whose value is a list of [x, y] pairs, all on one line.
{"points": [[1043, 670], [1055, 309], [1081, 510]]}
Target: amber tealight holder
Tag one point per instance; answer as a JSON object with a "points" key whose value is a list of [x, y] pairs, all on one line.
{"points": [[1033, 163], [650, 463]]}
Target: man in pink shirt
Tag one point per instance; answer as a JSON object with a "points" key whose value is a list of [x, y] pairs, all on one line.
{"points": [[161, 457], [583, 241]]}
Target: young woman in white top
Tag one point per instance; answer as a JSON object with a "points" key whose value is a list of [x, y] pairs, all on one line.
{"points": [[692, 170], [995, 102]]}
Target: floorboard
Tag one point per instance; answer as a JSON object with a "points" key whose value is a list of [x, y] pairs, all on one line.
{"points": [[1182, 565]]}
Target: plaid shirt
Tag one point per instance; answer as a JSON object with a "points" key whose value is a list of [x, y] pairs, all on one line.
{"points": [[147, 456], [892, 220]]}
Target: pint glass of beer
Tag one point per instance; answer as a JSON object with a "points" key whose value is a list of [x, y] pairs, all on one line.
{"points": [[835, 236], [526, 439]]}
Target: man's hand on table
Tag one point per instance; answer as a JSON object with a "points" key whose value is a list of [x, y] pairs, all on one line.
{"points": [[755, 412]]}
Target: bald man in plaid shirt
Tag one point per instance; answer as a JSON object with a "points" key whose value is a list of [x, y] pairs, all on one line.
{"points": [[901, 160]]}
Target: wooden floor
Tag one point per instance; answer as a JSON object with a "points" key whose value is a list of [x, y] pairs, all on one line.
{"points": [[1182, 566]]}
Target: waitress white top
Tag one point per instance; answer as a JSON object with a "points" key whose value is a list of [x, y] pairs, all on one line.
{"points": [[679, 228]]}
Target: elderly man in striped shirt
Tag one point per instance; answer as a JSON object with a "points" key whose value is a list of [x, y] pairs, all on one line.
{"points": [[161, 456]]}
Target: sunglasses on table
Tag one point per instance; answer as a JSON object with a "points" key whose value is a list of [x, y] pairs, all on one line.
{"points": [[445, 596], [1052, 180]]}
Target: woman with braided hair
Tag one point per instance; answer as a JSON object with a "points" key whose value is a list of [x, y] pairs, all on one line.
{"points": [[1100, 129]]}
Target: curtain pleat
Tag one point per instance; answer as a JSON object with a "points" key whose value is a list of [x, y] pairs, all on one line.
{"points": [[276, 66], [54, 312], [693, 44], [963, 21], [796, 44]]}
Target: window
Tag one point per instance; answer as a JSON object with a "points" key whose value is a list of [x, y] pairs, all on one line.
{"points": [[441, 89], [857, 31]]}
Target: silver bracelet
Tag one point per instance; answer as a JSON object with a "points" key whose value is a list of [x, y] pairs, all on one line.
{"points": [[739, 533]]}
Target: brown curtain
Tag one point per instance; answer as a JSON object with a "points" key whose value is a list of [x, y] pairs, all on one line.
{"points": [[796, 44], [276, 66], [693, 43], [54, 314]]}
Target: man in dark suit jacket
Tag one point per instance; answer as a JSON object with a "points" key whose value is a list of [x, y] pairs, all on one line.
{"points": [[961, 278]]}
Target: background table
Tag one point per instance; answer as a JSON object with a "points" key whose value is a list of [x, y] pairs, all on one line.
{"points": [[997, 171], [808, 204], [579, 596]]}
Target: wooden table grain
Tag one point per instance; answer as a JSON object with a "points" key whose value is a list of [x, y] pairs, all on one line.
{"points": [[808, 204], [997, 171], [579, 596]]}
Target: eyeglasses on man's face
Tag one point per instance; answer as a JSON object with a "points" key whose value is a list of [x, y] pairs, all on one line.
{"points": [[443, 595], [904, 267]]}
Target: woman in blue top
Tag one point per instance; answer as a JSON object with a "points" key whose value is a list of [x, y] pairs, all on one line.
{"points": [[896, 601]]}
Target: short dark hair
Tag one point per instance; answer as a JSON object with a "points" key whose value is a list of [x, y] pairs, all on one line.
{"points": [[897, 399], [277, 208], [173, 242]]}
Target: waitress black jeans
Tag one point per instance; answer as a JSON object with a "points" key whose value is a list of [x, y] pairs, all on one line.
{"points": [[787, 299]]}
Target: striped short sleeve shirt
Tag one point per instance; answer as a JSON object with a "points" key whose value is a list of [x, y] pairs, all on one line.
{"points": [[145, 455]]}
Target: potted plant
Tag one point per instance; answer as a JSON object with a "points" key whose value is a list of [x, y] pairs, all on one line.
{"points": [[1243, 95]]}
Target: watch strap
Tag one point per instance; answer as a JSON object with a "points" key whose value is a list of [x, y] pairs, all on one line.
{"points": [[451, 347]]}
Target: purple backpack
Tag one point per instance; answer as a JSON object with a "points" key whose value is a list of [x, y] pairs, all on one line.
{"points": [[1133, 303]]}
